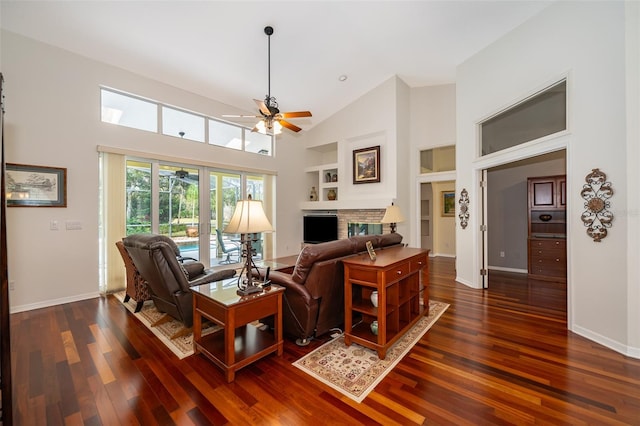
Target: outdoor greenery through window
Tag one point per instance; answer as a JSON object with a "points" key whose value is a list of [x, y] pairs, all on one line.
{"points": [[130, 111], [184, 195]]}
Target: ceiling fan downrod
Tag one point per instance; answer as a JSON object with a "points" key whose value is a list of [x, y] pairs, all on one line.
{"points": [[269, 101]]}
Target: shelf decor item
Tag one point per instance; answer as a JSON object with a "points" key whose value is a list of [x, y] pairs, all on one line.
{"points": [[374, 298], [366, 165], [374, 327], [331, 194], [596, 193], [313, 195], [36, 186]]}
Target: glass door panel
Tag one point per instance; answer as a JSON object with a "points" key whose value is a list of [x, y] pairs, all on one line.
{"points": [[179, 211], [224, 195], [138, 197]]}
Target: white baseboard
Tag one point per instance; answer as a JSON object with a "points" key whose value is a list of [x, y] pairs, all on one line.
{"points": [[503, 269], [441, 255], [609, 343], [53, 302]]}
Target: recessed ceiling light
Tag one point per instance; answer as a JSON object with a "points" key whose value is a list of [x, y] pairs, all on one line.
{"points": [[342, 77]]}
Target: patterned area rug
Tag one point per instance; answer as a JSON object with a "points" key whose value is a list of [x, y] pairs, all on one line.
{"points": [[355, 370], [181, 346]]}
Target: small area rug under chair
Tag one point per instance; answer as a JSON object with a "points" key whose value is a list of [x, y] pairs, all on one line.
{"points": [[355, 370], [181, 346]]}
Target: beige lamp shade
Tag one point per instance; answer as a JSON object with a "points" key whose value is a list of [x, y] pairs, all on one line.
{"points": [[392, 215], [248, 218]]}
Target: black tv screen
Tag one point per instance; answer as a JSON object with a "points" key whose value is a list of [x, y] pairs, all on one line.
{"points": [[318, 229]]}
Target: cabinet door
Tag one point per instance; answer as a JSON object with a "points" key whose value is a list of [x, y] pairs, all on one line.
{"points": [[542, 193], [562, 192]]}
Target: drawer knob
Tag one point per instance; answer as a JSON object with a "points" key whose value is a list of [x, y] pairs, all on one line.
{"points": [[557, 260], [399, 272], [539, 251], [540, 261]]}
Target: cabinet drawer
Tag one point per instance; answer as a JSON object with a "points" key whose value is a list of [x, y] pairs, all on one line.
{"points": [[400, 271], [549, 262], [549, 272], [548, 244], [540, 252]]}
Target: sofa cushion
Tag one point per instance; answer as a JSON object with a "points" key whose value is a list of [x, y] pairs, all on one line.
{"points": [[317, 252]]}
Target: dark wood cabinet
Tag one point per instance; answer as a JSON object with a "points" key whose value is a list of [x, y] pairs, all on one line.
{"points": [[547, 251]]}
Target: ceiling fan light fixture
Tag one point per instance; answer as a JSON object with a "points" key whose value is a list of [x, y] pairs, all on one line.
{"points": [[277, 128], [261, 128]]}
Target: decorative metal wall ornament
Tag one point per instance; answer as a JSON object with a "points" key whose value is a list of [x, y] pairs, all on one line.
{"points": [[596, 193], [464, 208]]}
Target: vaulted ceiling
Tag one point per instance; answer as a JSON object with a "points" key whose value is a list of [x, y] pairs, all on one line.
{"points": [[218, 49]]}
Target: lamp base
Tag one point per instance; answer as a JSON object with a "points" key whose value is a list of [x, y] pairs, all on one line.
{"points": [[249, 289]]}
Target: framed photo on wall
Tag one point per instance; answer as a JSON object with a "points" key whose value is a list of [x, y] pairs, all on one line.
{"points": [[448, 203], [366, 165], [35, 186]]}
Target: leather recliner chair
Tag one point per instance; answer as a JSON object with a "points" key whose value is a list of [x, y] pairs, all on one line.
{"points": [[156, 257]]}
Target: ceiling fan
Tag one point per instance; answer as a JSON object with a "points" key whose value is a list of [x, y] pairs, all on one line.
{"points": [[271, 119]]}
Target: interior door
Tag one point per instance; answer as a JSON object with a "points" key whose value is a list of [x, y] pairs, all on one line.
{"points": [[484, 271]]}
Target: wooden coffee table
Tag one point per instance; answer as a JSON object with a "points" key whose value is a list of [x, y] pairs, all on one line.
{"points": [[238, 343]]}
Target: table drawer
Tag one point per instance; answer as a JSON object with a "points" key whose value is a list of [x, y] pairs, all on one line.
{"points": [[418, 263], [208, 307], [397, 273]]}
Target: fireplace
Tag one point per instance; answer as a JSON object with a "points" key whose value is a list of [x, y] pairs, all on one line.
{"points": [[370, 218], [355, 228]]}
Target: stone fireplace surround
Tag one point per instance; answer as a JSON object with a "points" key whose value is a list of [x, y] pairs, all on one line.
{"points": [[359, 216]]}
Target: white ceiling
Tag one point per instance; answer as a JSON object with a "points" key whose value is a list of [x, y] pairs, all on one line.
{"points": [[218, 49]]}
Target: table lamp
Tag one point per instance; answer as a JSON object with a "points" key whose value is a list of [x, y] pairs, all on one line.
{"points": [[248, 218], [392, 216]]}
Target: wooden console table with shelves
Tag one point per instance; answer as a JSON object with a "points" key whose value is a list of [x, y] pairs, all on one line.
{"points": [[400, 276]]}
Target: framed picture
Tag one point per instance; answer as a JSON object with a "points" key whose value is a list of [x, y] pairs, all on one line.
{"points": [[370, 250], [36, 186], [366, 165], [448, 203]]}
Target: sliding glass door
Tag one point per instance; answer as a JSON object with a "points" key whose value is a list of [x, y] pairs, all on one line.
{"points": [[171, 199]]}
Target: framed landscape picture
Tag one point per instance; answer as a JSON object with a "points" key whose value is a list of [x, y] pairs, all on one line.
{"points": [[366, 165], [35, 186], [448, 203]]}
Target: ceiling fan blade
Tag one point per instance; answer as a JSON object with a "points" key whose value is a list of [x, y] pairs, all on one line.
{"points": [[296, 114], [263, 108], [289, 125]]}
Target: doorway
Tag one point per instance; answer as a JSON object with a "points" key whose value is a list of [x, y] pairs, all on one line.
{"points": [[506, 200]]}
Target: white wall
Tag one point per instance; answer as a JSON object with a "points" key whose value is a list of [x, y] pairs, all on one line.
{"points": [[432, 124], [53, 119], [368, 121], [584, 41]]}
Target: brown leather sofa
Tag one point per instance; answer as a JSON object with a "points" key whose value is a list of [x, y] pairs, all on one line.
{"points": [[314, 297]]}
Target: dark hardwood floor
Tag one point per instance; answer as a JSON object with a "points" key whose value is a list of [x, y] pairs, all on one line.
{"points": [[497, 356]]}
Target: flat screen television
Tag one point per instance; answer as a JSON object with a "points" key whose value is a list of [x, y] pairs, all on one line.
{"points": [[320, 228]]}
